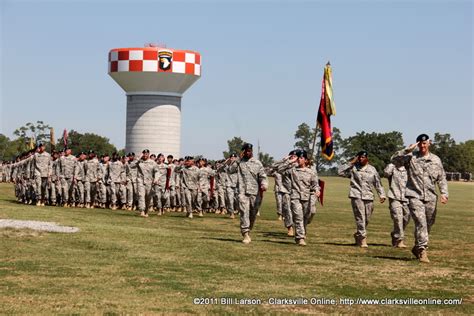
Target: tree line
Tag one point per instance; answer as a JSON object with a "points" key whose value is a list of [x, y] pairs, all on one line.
{"points": [[456, 157]]}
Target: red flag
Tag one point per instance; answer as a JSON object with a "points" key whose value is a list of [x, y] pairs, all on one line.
{"points": [[326, 109], [321, 192], [65, 137]]}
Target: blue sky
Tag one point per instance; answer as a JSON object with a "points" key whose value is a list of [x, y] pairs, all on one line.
{"points": [[404, 66]]}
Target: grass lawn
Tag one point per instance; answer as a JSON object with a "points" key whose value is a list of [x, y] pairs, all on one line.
{"points": [[119, 263]]}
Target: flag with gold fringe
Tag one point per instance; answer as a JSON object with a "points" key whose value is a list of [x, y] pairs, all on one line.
{"points": [[327, 107]]}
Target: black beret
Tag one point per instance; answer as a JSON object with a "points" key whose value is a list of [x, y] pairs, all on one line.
{"points": [[301, 153], [91, 152], [293, 152], [40, 144], [362, 153], [170, 156], [145, 151], [422, 138], [247, 146], [189, 158]]}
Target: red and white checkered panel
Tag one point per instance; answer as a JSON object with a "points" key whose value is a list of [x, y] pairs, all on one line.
{"points": [[146, 60]]}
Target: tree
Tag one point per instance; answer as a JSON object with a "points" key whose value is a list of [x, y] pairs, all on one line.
{"points": [[444, 146], [265, 159], [304, 137], [235, 146], [39, 132], [465, 154], [380, 147], [84, 142]]}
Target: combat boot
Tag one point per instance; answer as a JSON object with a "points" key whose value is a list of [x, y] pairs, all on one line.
{"points": [[218, 211], [190, 215], [113, 207], [291, 232], [415, 252], [88, 205], [424, 256], [363, 242], [280, 218], [143, 214], [200, 214], [400, 244], [232, 216], [246, 239], [301, 242]]}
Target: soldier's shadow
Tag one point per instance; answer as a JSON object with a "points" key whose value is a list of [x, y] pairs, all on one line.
{"points": [[339, 244], [224, 239], [279, 235], [394, 258], [289, 242]]}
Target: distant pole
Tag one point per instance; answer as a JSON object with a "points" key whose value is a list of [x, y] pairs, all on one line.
{"points": [[258, 148]]}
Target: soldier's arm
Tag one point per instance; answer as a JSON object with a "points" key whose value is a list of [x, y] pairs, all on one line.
{"points": [[442, 184], [233, 167], [378, 186], [262, 178], [388, 171], [344, 170]]}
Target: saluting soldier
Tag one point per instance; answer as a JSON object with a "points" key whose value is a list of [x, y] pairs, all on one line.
{"points": [[204, 188], [116, 180], [425, 172], [231, 188], [55, 185], [189, 183], [160, 187], [131, 174], [147, 176], [363, 177], [304, 184], [252, 182]]}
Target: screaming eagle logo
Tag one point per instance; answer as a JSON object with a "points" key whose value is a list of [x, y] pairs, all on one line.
{"points": [[164, 59]]}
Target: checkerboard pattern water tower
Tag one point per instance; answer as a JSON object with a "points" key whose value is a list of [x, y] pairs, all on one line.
{"points": [[154, 80]]}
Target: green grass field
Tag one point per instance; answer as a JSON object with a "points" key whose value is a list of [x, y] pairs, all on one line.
{"points": [[120, 263]]}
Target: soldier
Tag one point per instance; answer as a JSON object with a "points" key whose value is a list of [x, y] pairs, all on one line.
{"points": [[204, 188], [398, 203], [160, 189], [221, 178], [178, 187], [42, 174], [79, 179], [304, 184], [93, 172], [363, 178], [425, 171], [66, 165], [285, 193], [101, 183], [170, 184], [131, 174], [231, 189], [147, 176], [276, 190], [116, 180], [252, 182], [55, 185], [189, 183]]}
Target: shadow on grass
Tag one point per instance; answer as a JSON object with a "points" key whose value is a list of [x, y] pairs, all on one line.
{"points": [[280, 235], [339, 244], [224, 239], [292, 242], [394, 258]]}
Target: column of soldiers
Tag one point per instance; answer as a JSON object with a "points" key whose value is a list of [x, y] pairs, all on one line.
{"points": [[234, 186], [145, 183]]}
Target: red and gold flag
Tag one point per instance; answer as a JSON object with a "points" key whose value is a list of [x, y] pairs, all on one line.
{"points": [[327, 107]]}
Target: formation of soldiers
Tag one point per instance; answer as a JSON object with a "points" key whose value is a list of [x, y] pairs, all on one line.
{"points": [[413, 177], [234, 186]]}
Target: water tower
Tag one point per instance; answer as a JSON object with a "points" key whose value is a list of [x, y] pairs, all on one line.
{"points": [[154, 80]]}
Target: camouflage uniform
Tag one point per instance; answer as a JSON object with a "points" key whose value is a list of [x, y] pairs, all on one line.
{"points": [[42, 174], [159, 189], [189, 183], [397, 180], [284, 192], [116, 180], [171, 189], [231, 192], [92, 177], [79, 179], [304, 184], [251, 179], [147, 174], [55, 185], [278, 195], [424, 173], [102, 188], [131, 174], [204, 188], [363, 178], [221, 178], [66, 165]]}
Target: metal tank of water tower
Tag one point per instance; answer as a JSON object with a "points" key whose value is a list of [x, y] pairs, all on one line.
{"points": [[154, 79]]}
